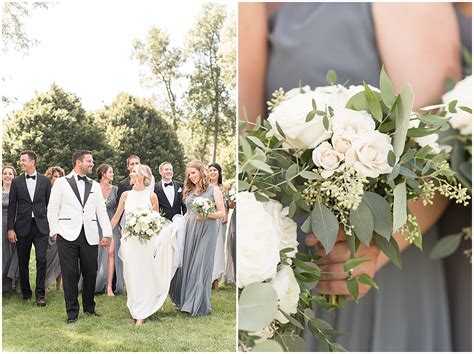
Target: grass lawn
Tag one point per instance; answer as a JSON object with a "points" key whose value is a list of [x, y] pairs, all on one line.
{"points": [[27, 327]]}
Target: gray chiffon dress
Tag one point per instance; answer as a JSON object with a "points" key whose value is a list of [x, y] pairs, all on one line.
{"points": [[410, 312], [102, 262], [10, 269], [53, 269], [191, 287]]}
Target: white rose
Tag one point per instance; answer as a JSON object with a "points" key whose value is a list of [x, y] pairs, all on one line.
{"points": [[288, 292], [258, 246], [132, 221], [352, 123], [335, 96], [368, 154], [149, 232], [326, 157], [341, 142], [462, 92], [146, 220], [137, 228], [291, 116], [285, 226]]}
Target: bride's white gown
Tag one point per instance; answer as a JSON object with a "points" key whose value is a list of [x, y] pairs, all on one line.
{"points": [[147, 268]]}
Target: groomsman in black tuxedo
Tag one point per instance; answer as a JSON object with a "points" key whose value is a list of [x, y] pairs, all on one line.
{"points": [[125, 185], [169, 192], [27, 223]]}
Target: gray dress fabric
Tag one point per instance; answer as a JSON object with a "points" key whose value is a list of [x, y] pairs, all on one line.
{"points": [[457, 266], [53, 269], [191, 287], [102, 262], [229, 276], [10, 270], [410, 311]]}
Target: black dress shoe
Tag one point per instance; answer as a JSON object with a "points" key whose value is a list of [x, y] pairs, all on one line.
{"points": [[93, 313], [40, 302], [71, 320]]}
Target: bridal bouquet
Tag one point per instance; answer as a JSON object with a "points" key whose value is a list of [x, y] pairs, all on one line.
{"points": [[143, 224], [203, 206], [341, 156], [457, 106], [229, 195]]}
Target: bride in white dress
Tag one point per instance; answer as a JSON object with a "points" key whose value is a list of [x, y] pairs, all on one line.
{"points": [[147, 268]]}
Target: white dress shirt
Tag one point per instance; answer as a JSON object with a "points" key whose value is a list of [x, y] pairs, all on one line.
{"points": [[31, 185], [169, 191], [81, 186]]}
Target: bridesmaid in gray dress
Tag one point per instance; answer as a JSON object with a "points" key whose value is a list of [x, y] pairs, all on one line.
{"points": [[410, 311], [53, 269], [10, 270], [191, 291], [109, 264]]}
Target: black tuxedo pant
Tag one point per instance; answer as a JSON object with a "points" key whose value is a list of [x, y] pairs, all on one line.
{"points": [[24, 244], [71, 255]]}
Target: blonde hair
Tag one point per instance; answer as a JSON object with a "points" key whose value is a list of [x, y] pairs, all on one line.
{"points": [[203, 182], [145, 171], [11, 168]]}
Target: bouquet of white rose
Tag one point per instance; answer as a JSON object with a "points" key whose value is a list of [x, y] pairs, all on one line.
{"points": [[352, 156], [203, 206], [229, 195], [143, 224]]}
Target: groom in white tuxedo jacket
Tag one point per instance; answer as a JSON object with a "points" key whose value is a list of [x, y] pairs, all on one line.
{"points": [[76, 207]]}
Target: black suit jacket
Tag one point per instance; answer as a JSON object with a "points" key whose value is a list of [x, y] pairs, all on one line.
{"points": [[20, 205], [123, 186], [178, 207]]}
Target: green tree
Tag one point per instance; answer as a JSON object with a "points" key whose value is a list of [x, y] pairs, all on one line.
{"points": [[162, 63], [209, 100], [134, 126], [53, 124]]}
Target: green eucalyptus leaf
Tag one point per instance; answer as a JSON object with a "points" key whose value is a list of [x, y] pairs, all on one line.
{"points": [[408, 156], [390, 249], [466, 109], [291, 209], [386, 88], [313, 102], [399, 206], [350, 264], [280, 131], [258, 306], [256, 141], [353, 287], [391, 158], [260, 165], [310, 175], [310, 116], [336, 347], [362, 220], [381, 213], [446, 246], [324, 225], [331, 77], [246, 148], [320, 324], [261, 197], [402, 113], [367, 280], [407, 173], [374, 104], [291, 171], [283, 161], [395, 172], [326, 122], [452, 106], [420, 132], [358, 102], [243, 185], [268, 345], [306, 227]]}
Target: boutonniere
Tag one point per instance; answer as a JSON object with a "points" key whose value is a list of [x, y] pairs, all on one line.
{"points": [[180, 189]]}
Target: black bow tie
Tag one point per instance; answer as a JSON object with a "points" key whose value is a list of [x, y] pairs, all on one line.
{"points": [[168, 184], [84, 178], [33, 177]]}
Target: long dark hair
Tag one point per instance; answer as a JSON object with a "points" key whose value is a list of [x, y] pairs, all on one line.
{"points": [[102, 170], [218, 168]]}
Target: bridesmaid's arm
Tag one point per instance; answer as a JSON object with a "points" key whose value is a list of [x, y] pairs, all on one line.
{"points": [[424, 56], [120, 208], [252, 60], [154, 202], [220, 213]]}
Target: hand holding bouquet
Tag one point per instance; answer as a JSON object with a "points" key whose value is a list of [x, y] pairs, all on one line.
{"points": [[143, 224], [203, 206], [344, 159]]}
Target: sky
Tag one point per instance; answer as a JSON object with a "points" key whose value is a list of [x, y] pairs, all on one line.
{"points": [[85, 47]]}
